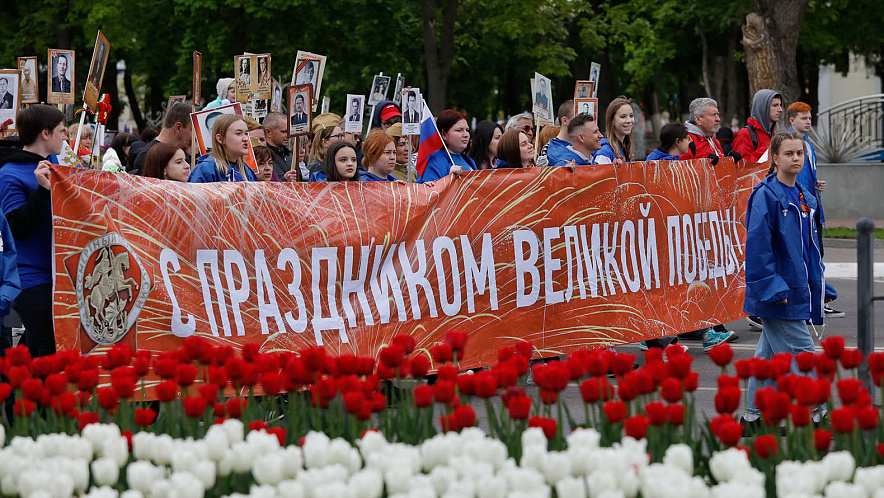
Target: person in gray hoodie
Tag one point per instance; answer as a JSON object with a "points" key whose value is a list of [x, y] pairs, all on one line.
{"points": [[754, 139]]}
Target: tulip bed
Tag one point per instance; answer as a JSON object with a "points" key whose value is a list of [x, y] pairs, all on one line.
{"points": [[227, 422]]}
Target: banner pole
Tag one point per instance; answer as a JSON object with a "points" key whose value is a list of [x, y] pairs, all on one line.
{"points": [[410, 163], [192, 140], [80, 130]]}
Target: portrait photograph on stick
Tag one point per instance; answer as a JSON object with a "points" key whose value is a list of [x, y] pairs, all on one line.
{"points": [[412, 105], [245, 77], [96, 72], [264, 83], [586, 106], [28, 84], [379, 87], [353, 120], [276, 96], [60, 84], [542, 97], [595, 70], [397, 92], [583, 89], [309, 69], [203, 121], [175, 99], [300, 113], [10, 97]]}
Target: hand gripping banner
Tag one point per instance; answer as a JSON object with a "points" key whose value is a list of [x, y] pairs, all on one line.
{"points": [[591, 258]]}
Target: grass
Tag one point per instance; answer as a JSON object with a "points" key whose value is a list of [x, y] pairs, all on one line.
{"points": [[848, 233]]}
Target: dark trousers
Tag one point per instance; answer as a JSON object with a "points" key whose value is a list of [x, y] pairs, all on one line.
{"points": [[34, 306]]}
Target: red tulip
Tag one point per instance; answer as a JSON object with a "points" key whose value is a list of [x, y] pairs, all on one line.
{"points": [[851, 358], [765, 446], [519, 407], [842, 419], [848, 389], [676, 413], [486, 384], [443, 390], [680, 365], [727, 399], [441, 353], [145, 417], [548, 425], [800, 415], [525, 349], [615, 411], [867, 417], [166, 391], [465, 416], [822, 439], [194, 406], [833, 346], [423, 396], [722, 354], [420, 365], [670, 390], [657, 413], [636, 426]]}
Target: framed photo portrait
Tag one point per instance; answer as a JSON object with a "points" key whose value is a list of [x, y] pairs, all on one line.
{"points": [[60, 83], [586, 106], [309, 69], [412, 105], [174, 99], [264, 82], [397, 92], [29, 84], [10, 97], [379, 87], [276, 96], [245, 75], [595, 70], [542, 101], [96, 72], [583, 89], [197, 90], [300, 112], [326, 102], [355, 107], [202, 121]]}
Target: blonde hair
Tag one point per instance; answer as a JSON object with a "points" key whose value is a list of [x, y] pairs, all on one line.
{"points": [[88, 132], [546, 134], [318, 149], [219, 153]]}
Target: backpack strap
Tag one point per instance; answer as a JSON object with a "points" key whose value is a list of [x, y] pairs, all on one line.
{"points": [[753, 135]]}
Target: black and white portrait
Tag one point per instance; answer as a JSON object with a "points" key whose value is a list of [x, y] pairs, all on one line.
{"points": [[412, 105], [276, 100], [9, 97], [28, 83], [300, 112], [586, 106], [61, 77], [397, 92], [542, 96], [99, 59], [203, 121], [353, 114], [379, 89], [308, 71]]}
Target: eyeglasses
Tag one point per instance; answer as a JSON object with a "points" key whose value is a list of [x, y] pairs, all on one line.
{"points": [[526, 128], [339, 136]]}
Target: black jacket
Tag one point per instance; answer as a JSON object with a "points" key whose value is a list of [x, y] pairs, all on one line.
{"points": [[282, 160]]}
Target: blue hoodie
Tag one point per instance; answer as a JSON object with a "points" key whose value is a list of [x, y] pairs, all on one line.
{"points": [[659, 155], [556, 149], [365, 176], [438, 165], [568, 154], [206, 171], [10, 285], [807, 176], [605, 155], [27, 208], [776, 266]]}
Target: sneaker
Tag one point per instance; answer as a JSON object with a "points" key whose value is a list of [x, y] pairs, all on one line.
{"points": [[832, 312], [754, 322], [751, 427], [730, 334], [643, 346], [819, 413], [713, 338]]}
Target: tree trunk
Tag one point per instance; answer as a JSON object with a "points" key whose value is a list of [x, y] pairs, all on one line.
{"points": [[770, 40], [439, 53], [133, 101], [729, 109]]}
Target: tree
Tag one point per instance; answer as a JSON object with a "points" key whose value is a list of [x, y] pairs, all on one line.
{"points": [[770, 39]]}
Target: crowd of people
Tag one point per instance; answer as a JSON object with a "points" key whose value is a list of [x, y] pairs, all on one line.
{"points": [[777, 302]]}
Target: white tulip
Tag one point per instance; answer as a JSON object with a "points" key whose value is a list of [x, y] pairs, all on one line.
{"points": [[533, 436], [611, 493], [556, 467], [216, 442], [737, 488], [726, 464], [583, 438], [225, 465], [9, 485], [570, 487], [32, 481], [870, 478], [534, 457], [187, 484], [105, 472], [243, 456], [442, 477], [204, 470], [182, 460], [398, 480], [316, 449], [681, 456], [291, 489], [336, 489], [292, 461], [116, 449], [367, 483], [268, 470], [839, 465], [629, 484], [142, 445], [131, 493], [140, 475], [878, 494], [235, 430], [262, 491], [845, 490], [162, 488], [103, 492], [371, 442], [600, 481], [161, 449], [492, 487], [2, 435], [78, 470]]}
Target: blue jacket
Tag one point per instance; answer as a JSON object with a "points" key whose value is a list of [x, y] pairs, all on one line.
{"points": [[27, 208], [659, 155], [606, 152], [807, 176], [556, 149], [365, 176], [10, 285], [319, 176], [568, 154], [206, 171], [775, 266], [438, 165]]}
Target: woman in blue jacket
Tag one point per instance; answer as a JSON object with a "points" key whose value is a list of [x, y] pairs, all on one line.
{"points": [[455, 132], [674, 141], [619, 121], [784, 269], [230, 144]]}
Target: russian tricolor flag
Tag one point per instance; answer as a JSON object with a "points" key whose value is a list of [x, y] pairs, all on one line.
{"points": [[431, 140]]}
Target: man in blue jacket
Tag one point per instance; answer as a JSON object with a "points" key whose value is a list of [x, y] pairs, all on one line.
{"points": [[800, 121], [25, 201], [585, 137], [784, 269]]}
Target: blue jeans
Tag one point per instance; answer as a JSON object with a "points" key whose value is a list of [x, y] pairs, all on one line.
{"points": [[778, 336]]}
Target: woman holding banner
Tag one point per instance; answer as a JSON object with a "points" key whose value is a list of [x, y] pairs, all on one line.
{"points": [[230, 144], [619, 121], [515, 150], [326, 131], [483, 150], [455, 133], [166, 162]]}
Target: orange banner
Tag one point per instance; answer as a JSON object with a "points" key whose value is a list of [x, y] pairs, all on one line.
{"points": [[596, 257]]}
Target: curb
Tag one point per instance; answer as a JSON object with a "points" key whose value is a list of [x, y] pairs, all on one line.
{"points": [[849, 243]]}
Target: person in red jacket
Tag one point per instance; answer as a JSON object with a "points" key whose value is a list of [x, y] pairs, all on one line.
{"points": [[754, 139], [702, 127]]}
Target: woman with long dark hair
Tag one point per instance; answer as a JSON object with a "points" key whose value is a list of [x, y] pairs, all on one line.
{"points": [[483, 149], [455, 133], [619, 121], [515, 150]]}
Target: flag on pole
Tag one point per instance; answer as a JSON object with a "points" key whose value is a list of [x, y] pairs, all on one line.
{"points": [[431, 141]]}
